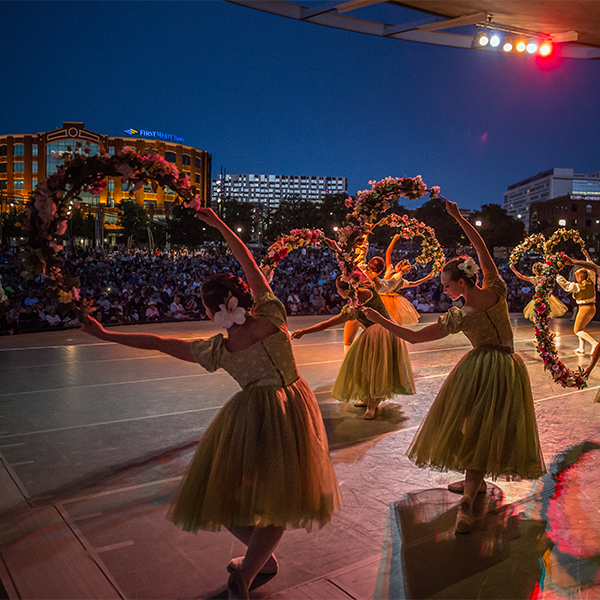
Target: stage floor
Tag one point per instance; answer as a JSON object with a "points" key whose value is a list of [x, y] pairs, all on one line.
{"points": [[94, 438]]}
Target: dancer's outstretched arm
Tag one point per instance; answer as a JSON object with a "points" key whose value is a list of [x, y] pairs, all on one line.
{"points": [[254, 276], [485, 259], [427, 334], [337, 320], [595, 357], [590, 266], [390, 249], [519, 275], [145, 341], [410, 284]]}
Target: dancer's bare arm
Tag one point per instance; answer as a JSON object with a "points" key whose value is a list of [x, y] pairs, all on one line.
{"points": [[485, 259], [337, 320], [145, 341], [254, 276], [427, 334]]}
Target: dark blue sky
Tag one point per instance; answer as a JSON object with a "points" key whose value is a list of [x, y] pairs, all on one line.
{"points": [[265, 94]]}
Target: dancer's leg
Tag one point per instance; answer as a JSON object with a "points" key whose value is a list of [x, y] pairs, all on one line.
{"points": [[244, 534], [350, 331], [464, 519], [584, 316], [372, 404], [262, 543]]}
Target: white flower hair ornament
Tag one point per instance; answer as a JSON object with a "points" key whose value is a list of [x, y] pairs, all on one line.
{"points": [[470, 268], [229, 314]]}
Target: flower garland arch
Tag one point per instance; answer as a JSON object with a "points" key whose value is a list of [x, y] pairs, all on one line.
{"points": [[367, 210], [284, 245], [552, 263], [54, 199]]}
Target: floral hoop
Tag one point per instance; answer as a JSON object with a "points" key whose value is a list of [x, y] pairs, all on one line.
{"points": [[367, 209], [410, 228], [49, 210], [562, 235], [546, 348], [284, 245], [534, 243]]}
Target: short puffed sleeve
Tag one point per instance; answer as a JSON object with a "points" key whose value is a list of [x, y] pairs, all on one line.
{"points": [[269, 306], [495, 282], [349, 312], [208, 352], [451, 322]]}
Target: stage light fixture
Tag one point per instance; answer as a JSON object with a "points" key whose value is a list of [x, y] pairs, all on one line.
{"points": [[532, 47], [482, 38], [495, 39], [546, 49], [521, 45], [508, 44]]}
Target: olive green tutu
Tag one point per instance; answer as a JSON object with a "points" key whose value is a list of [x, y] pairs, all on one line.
{"points": [[400, 309], [557, 308], [264, 460], [377, 366], [482, 419]]}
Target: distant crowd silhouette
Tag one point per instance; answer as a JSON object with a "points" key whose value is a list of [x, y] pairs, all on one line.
{"points": [[126, 287]]}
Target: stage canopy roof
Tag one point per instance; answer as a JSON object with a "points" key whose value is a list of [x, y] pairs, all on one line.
{"points": [[573, 26]]}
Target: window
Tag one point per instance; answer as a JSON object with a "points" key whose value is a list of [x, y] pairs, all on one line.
{"points": [[3, 184], [19, 184], [573, 207], [588, 222], [3, 167], [197, 178], [588, 208], [33, 184], [111, 150], [19, 150], [186, 159], [3, 150], [111, 185], [170, 156], [197, 163], [34, 166], [19, 167], [34, 150]]}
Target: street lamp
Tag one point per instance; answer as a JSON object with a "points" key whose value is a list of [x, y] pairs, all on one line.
{"points": [[336, 228], [239, 230], [478, 223], [562, 222]]}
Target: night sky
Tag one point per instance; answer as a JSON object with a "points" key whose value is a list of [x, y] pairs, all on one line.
{"points": [[265, 94]]}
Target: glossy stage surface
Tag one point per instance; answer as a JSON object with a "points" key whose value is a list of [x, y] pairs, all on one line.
{"points": [[94, 438]]}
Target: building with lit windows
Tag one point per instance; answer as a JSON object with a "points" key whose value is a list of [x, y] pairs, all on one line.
{"points": [[553, 183], [28, 158], [270, 190]]}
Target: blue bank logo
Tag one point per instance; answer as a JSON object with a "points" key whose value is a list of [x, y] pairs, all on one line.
{"points": [[156, 135]]}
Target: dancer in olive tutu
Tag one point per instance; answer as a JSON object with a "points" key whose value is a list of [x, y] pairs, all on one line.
{"points": [[557, 308], [482, 420], [377, 366], [263, 465]]}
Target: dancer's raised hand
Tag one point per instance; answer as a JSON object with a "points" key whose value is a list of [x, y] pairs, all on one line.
{"points": [[209, 216], [452, 209]]}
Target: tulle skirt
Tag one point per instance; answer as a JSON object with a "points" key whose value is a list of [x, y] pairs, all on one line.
{"points": [[264, 460], [482, 419], [400, 309], [377, 366], [557, 308]]}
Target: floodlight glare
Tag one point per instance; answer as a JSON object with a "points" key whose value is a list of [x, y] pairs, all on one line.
{"points": [[546, 49], [495, 40], [532, 47], [508, 44], [520, 46]]}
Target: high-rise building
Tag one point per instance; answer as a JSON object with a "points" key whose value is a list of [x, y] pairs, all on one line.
{"points": [[270, 190], [546, 185], [28, 158]]}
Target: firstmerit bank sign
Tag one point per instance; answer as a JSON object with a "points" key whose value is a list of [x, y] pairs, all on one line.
{"points": [[155, 135]]}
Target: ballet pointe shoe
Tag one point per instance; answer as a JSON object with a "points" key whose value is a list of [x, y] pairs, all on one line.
{"points": [[263, 576], [236, 587], [360, 404], [464, 518], [371, 409]]}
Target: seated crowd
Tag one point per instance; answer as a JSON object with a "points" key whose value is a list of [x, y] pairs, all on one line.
{"points": [[129, 287]]}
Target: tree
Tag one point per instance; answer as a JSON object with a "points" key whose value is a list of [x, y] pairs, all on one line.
{"points": [[13, 224], [447, 231], [292, 213], [239, 215], [331, 212], [498, 228], [80, 226], [134, 221], [186, 230]]}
